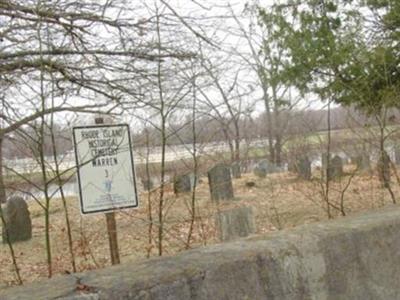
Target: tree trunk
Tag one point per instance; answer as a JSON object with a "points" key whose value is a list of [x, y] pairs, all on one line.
{"points": [[271, 147], [276, 129], [278, 151], [237, 141], [3, 195]]}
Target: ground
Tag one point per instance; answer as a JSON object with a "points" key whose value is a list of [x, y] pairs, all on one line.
{"points": [[279, 201]]}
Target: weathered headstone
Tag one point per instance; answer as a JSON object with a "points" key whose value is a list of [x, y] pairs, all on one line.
{"points": [[263, 168], [291, 166], [303, 168], [345, 158], [397, 155], [363, 162], [220, 182], [335, 168], [182, 184], [193, 181], [236, 170], [147, 184], [384, 169], [18, 221], [235, 223], [324, 164], [3, 196], [247, 166]]}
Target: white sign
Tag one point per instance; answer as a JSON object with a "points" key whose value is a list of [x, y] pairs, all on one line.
{"points": [[106, 175]]}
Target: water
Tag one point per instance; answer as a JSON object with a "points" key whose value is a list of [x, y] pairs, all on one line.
{"points": [[29, 192]]}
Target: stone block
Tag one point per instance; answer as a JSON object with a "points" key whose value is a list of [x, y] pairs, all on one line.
{"points": [[235, 223]]}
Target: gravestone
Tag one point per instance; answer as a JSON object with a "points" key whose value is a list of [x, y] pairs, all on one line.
{"points": [[345, 158], [324, 160], [193, 181], [182, 184], [147, 184], [247, 166], [354, 159], [303, 168], [236, 170], [291, 166], [219, 180], [263, 168], [18, 221], [335, 168], [397, 155], [384, 169], [363, 162], [324, 163], [235, 223]]}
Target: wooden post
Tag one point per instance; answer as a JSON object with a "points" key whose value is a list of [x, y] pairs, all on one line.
{"points": [[112, 237], [111, 225]]}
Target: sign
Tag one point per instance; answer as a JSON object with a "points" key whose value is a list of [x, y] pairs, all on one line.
{"points": [[106, 176]]}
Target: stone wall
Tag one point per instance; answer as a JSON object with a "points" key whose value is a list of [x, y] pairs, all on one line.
{"points": [[350, 258]]}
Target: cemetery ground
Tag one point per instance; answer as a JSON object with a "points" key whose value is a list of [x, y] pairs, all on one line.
{"points": [[279, 201]]}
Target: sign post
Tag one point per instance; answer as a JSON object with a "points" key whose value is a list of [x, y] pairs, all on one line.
{"points": [[106, 176], [111, 225]]}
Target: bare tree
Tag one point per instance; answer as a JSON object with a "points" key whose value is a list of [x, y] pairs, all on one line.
{"points": [[232, 106], [89, 48], [266, 60]]}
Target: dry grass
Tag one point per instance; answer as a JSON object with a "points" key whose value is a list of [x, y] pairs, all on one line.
{"points": [[280, 201]]}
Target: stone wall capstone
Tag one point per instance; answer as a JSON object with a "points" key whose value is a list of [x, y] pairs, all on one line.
{"points": [[348, 258]]}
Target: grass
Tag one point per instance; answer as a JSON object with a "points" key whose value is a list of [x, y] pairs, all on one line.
{"points": [[339, 135]]}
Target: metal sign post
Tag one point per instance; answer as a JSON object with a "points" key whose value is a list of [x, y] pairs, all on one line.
{"points": [[106, 176]]}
